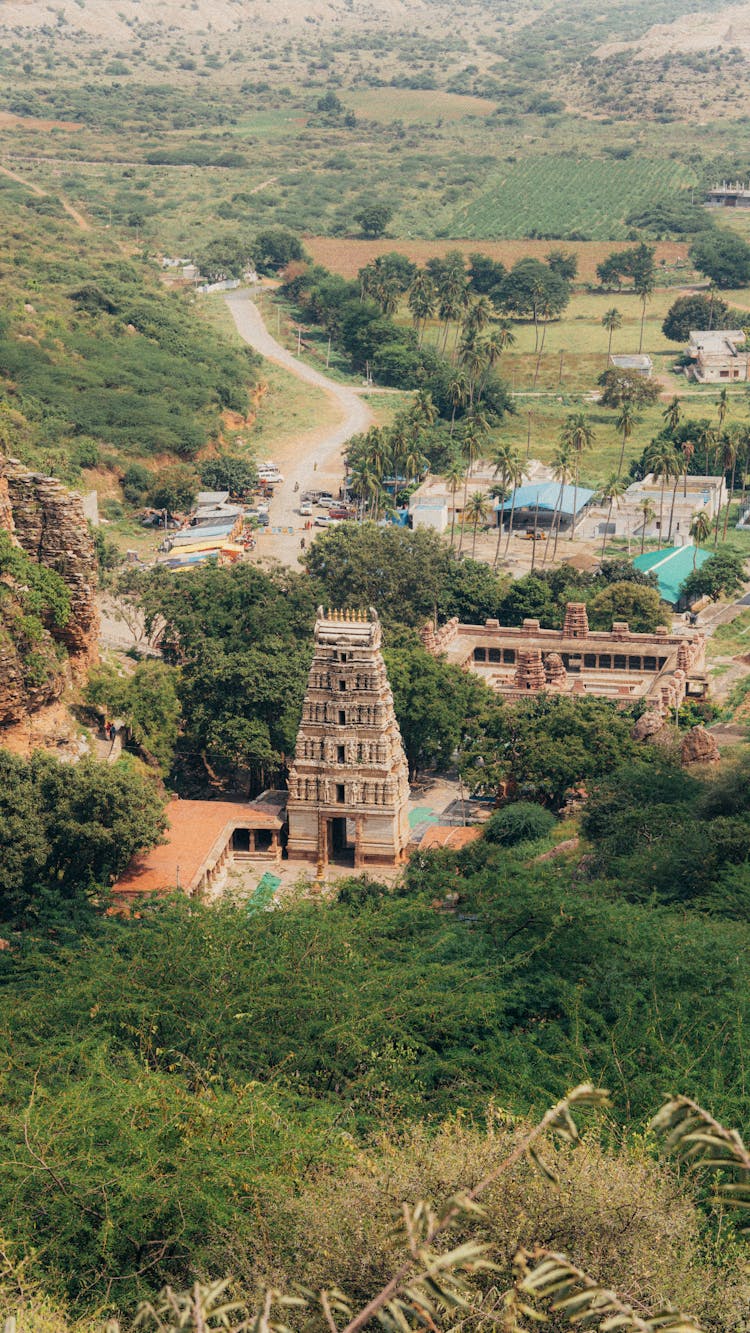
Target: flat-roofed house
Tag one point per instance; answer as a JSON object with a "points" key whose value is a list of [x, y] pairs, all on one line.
{"points": [[637, 362], [717, 355]]}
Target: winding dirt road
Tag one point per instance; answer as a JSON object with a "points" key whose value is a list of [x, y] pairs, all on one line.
{"points": [[314, 459]]}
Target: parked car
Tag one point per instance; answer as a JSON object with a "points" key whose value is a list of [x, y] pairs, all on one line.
{"points": [[339, 511], [325, 521], [325, 500], [305, 508]]}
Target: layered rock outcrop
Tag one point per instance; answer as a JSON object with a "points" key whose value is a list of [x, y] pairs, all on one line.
{"points": [[46, 521]]}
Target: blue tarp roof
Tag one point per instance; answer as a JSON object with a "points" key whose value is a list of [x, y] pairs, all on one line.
{"points": [[546, 495], [671, 565]]}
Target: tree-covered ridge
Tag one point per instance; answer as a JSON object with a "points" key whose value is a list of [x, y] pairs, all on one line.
{"points": [[209, 1079], [97, 361]]}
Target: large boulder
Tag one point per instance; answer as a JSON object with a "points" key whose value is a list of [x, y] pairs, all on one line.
{"points": [[699, 747]]}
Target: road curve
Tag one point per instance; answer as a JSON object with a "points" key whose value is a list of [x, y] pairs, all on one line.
{"points": [[314, 459]]}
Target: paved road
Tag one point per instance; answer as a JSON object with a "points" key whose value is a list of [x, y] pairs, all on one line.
{"points": [[314, 460]]}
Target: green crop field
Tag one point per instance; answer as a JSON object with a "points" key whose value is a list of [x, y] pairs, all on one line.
{"points": [[557, 195]]}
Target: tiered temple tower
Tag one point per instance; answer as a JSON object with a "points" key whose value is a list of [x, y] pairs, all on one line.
{"points": [[349, 783]]}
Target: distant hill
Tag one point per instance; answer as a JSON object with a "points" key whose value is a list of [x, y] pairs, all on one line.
{"points": [[125, 21]]}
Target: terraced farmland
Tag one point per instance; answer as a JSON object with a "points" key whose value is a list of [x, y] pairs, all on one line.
{"points": [[558, 195]]}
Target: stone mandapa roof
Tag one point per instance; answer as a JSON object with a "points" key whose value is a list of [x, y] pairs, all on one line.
{"points": [[194, 830], [671, 565], [449, 836]]}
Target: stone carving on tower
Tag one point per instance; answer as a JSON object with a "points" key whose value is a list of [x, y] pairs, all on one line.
{"points": [[349, 782]]}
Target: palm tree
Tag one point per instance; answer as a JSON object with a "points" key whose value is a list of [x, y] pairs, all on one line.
{"points": [[376, 451], [473, 358], [687, 449], [478, 315], [577, 435], [454, 475], [722, 407], [625, 423], [729, 454], [611, 492], [364, 484], [662, 460], [496, 342], [476, 510], [700, 527], [470, 447], [562, 468], [422, 300], [649, 514], [611, 320], [515, 478], [644, 287], [671, 414], [415, 464], [506, 462], [458, 392]]}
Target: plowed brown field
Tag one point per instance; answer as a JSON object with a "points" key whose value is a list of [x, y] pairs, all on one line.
{"points": [[348, 256]]}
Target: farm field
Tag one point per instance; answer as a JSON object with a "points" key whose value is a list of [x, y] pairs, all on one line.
{"points": [[415, 104], [347, 255], [558, 195]]}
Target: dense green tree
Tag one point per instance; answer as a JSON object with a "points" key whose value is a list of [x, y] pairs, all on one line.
{"points": [[229, 472], [374, 218], [398, 572], [621, 386], [67, 831], [224, 257], [546, 747], [640, 606], [721, 576], [174, 489], [146, 701], [694, 312], [564, 263], [722, 256], [437, 706], [274, 248]]}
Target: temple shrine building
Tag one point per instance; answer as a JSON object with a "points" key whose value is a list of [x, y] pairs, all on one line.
{"points": [[661, 668], [349, 782]]}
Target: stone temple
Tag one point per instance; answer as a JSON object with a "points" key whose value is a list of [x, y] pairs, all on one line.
{"points": [[348, 785]]}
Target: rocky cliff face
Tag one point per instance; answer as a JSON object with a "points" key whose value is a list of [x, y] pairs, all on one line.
{"points": [[47, 522]]}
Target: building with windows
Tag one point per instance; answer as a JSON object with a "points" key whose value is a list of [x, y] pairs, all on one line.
{"points": [[718, 355], [349, 782], [661, 668]]}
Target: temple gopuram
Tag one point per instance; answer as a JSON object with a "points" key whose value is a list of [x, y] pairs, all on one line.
{"points": [[661, 668], [349, 783]]}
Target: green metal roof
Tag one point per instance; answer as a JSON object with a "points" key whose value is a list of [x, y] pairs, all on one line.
{"points": [[671, 565]]}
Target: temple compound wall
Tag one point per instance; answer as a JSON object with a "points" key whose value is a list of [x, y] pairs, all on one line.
{"points": [[662, 668], [349, 782]]}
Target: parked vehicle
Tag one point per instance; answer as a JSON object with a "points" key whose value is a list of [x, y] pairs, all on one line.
{"points": [[305, 508], [325, 500], [339, 511], [325, 521]]}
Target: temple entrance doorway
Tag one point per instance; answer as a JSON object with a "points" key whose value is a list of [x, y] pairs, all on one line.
{"points": [[340, 841]]}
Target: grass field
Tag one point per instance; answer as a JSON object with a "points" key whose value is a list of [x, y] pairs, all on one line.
{"points": [[560, 194], [428, 106]]}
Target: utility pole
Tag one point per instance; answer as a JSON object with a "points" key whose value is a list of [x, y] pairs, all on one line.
{"points": [[328, 353], [560, 377], [528, 436], [299, 340]]}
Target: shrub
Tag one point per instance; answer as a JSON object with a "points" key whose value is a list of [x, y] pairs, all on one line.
{"points": [[521, 822]]}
